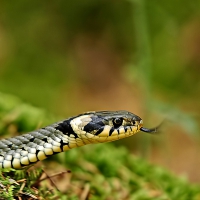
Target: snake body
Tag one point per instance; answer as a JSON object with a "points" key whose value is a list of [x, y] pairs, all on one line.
{"points": [[88, 128]]}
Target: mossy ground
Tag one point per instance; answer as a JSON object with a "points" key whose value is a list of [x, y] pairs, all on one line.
{"points": [[101, 171]]}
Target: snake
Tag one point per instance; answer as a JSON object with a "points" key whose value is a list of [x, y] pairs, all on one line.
{"points": [[87, 128]]}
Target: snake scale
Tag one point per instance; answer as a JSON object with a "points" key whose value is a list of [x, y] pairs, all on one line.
{"points": [[88, 128]]}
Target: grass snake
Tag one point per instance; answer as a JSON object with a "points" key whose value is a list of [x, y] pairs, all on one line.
{"points": [[88, 128]]}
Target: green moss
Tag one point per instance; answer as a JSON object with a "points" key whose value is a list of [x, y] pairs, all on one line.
{"points": [[100, 171]]}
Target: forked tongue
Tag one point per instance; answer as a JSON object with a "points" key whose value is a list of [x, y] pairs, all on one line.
{"points": [[150, 130]]}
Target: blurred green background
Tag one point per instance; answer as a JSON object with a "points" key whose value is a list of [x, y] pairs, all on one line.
{"points": [[143, 56]]}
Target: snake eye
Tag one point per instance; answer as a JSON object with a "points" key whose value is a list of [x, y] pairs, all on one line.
{"points": [[117, 122]]}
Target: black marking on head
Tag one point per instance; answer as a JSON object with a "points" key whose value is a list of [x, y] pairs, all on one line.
{"points": [[111, 131], [125, 128], [99, 131], [95, 124], [91, 126], [65, 128]]}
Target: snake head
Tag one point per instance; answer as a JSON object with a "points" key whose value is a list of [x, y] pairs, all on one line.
{"points": [[106, 126]]}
